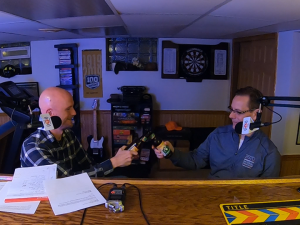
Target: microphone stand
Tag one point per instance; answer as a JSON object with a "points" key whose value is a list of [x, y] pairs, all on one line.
{"points": [[265, 101]]}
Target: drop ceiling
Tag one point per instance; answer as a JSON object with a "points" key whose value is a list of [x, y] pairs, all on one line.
{"points": [[212, 19]]}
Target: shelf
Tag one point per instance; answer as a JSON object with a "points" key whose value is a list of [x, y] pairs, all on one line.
{"points": [[136, 128], [66, 66]]}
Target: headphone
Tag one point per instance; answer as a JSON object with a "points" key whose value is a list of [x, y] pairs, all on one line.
{"points": [[8, 71]]}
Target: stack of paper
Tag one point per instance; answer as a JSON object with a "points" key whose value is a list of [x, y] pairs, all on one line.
{"points": [[17, 207], [32, 184], [28, 183]]}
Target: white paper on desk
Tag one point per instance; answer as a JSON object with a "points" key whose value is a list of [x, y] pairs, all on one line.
{"points": [[28, 182], [72, 193], [17, 207]]}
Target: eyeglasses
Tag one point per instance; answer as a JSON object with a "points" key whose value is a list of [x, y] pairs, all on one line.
{"points": [[239, 112]]}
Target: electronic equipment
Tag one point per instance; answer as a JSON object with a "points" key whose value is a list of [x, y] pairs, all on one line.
{"points": [[132, 93], [116, 198]]}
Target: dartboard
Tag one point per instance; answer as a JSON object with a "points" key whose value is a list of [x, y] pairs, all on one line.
{"points": [[194, 61]]}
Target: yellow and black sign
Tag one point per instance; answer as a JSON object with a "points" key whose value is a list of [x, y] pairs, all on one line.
{"points": [[283, 213]]}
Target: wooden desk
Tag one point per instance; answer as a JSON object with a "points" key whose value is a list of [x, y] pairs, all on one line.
{"points": [[168, 202]]}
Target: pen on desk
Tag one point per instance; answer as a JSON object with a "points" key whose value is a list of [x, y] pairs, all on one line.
{"points": [[5, 178]]}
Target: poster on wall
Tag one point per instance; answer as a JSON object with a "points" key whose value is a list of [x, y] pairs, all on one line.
{"points": [[92, 73]]}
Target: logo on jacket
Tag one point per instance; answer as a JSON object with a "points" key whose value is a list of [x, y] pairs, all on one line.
{"points": [[248, 161]]}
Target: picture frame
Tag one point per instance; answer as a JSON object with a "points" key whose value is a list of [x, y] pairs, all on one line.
{"points": [[31, 87], [298, 133]]}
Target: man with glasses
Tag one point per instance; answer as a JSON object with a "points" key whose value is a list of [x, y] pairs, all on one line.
{"points": [[229, 154]]}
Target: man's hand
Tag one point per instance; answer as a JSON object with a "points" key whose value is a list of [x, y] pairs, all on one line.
{"points": [[158, 152], [123, 157]]}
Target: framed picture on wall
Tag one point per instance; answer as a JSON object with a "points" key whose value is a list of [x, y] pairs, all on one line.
{"points": [[31, 87], [298, 133]]}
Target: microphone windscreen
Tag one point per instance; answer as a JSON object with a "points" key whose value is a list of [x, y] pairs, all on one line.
{"points": [[56, 121], [238, 127]]}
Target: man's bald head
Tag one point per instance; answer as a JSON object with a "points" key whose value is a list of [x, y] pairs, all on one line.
{"points": [[53, 97], [58, 102]]}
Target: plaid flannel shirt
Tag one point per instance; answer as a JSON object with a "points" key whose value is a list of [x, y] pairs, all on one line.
{"points": [[41, 148]]}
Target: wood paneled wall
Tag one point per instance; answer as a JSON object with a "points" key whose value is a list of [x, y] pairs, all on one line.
{"points": [[290, 165]]}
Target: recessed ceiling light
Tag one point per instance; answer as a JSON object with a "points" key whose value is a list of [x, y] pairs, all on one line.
{"points": [[51, 30]]}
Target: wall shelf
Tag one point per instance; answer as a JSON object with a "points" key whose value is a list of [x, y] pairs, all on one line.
{"points": [[69, 78]]}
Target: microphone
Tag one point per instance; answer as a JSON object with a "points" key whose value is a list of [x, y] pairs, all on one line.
{"points": [[258, 114], [56, 123], [239, 126]]}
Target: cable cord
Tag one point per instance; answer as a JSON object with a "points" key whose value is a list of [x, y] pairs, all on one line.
{"points": [[84, 212], [140, 199], [275, 113]]}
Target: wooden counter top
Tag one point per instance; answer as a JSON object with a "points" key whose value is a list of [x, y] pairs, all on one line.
{"points": [[169, 202]]}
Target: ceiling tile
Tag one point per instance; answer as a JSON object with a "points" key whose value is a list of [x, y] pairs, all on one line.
{"points": [[8, 18], [219, 26], [60, 35], [10, 38], [247, 33], [23, 27], [31, 28], [286, 26], [101, 31], [50, 9], [153, 31], [197, 7], [270, 10], [158, 20], [84, 22]]}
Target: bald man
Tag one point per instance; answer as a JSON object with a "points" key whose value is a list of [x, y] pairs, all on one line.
{"points": [[60, 146]]}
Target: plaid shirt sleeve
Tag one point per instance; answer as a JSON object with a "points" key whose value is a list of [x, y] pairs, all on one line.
{"points": [[33, 153]]}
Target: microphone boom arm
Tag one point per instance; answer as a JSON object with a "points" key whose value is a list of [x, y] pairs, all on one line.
{"points": [[265, 101]]}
